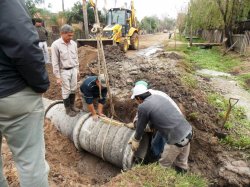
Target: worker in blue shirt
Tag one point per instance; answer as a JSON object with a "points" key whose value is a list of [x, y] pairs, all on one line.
{"points": [[94, 88]]}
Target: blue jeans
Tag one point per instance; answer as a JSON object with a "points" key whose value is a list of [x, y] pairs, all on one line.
{"points": [[157, 145]]}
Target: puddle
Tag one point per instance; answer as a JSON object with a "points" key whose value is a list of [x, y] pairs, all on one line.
{"points": [[213, 73], [229, 88], [149, 51]]}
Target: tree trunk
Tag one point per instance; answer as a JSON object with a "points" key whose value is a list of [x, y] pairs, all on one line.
{"points": [[227, 23], [85, 19], [228, 35]]}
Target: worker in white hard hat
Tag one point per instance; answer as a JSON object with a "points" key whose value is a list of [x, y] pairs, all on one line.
{"points": [[158, 142], [163, 117]]}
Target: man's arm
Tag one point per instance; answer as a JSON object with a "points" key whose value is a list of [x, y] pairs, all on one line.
{"points": [[77, 60], [55, 60], [19, 41], [104, 95], [91, 108], [142, 122]]}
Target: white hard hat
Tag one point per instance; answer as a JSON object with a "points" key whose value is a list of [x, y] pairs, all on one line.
{"points": [[138, 90]]}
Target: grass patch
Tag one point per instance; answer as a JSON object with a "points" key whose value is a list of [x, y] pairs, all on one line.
{"points": [[237, 125], [206, 58], [189, 81], [179, 47], [153, 175], [244, 80], [212, 59]]}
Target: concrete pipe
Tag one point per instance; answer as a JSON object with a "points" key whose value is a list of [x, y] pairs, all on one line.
{"points": [[99, 138]]}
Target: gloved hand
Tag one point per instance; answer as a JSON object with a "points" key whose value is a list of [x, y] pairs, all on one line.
{"points": [[130, 125], [134, 144]]}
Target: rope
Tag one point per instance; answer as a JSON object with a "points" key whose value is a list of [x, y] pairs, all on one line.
{"points": [[105, 137], [101, 58]]}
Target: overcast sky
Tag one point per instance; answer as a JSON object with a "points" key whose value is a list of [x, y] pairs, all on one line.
{"points": [[161, 8]]}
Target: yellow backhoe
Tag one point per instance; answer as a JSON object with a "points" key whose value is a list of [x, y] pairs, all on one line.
{"points": [[121, 29]]}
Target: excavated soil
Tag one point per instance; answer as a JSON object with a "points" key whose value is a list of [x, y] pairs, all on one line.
{"points": [[71, 168]]}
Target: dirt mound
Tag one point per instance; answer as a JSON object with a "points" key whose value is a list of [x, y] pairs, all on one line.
{"points": [[171, 55], [114, 53], [85, 56], [54, 91]]}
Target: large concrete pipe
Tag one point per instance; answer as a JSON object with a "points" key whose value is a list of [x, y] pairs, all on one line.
{"points": [[100, 138]]}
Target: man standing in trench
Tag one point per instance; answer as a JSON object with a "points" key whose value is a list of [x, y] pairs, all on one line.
{"points": [[163, 117], [23, 79], [66, 67]]}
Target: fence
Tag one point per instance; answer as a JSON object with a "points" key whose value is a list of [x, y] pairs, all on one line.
{"points": [[213, 36], [243, 42]]}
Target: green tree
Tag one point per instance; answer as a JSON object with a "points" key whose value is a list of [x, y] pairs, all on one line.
{"points": [[150, 24], [75, 14], [181, 22], [167, 23], [217, 14], [31, 5]]}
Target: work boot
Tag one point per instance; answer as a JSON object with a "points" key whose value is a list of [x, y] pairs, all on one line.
{"points": [[69, 112], [72, 103], [180, 170]]}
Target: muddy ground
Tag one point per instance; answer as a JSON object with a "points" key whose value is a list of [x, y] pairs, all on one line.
{"points": [[163, 71]]}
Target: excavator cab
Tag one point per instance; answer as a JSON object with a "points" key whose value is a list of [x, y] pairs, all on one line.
{"points": [[120, 29], [121, 17]]}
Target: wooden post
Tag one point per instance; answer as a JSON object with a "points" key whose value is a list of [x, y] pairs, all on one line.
{"points": [[175, 38], [63, 5], [85, 19], [191, 34]]}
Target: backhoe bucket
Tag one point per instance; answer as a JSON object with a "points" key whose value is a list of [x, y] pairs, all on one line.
{"points": [[93, 42]]}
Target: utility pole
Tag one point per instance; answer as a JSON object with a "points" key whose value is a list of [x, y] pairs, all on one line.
{"points": [[191, 25], [85, 19], [63, 5]]}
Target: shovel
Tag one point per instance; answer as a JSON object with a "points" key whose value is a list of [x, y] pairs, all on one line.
{"points": [[220, 133]]}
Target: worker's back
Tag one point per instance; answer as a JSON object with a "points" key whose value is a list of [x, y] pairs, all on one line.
{"points": [[164, 117], [21, 60]]}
